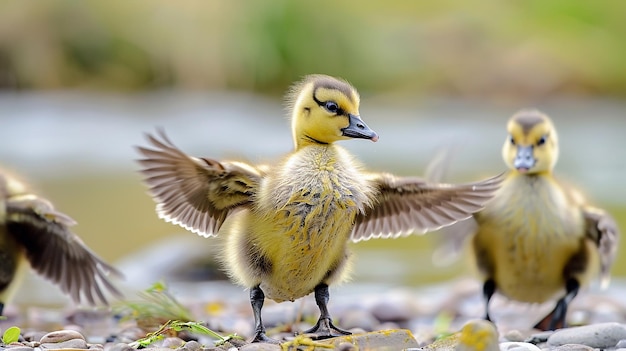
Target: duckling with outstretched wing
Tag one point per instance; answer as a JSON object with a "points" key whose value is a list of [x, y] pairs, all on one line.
{"points": [[286, 226]]}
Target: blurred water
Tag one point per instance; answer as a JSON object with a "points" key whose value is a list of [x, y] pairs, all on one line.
{"points": [[53, 134]]}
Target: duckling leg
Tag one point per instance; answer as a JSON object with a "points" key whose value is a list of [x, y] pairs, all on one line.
{"points": [[257, 297], [556, 318], [489, 288], [324, 327]]}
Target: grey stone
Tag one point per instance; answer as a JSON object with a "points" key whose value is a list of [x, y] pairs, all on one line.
{"points": [[20, 348], [69, 344], [346, 346], [518, 346], [60, 336], [119, 347], [193, 345], [394, 310], [398, 339], [260, 347], [539, 337], [34, 335], [603, 335], [573, 347], [172, 343], [358, 318], [514, 336]]}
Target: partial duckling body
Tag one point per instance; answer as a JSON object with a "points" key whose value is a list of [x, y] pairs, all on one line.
{"points": [[33, 233], [286, 226], [538, 239], [317, 209]]}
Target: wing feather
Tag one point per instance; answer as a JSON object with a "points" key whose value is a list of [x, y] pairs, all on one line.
{"points": [[196, 193], [603, 230], [408, 205], [55, 252]]}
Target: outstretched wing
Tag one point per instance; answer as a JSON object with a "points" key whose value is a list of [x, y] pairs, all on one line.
{"points": [[55, 252], [409, 205], [602, 229], [195, 193]]}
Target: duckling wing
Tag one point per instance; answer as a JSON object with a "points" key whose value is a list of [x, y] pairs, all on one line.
{"points": [[602, 229], [55, 252], [195, 193], [407, 205]]}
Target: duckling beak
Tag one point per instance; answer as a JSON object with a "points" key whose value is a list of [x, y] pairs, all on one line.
{"points": [[358, 129], [524, 159]]}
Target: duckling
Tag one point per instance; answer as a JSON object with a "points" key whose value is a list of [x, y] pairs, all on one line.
{"points": [[33, 232], [286, 226], [538, 239]]}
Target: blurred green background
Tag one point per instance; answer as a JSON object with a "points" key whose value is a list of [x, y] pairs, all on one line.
{"points": [[80, 81]]}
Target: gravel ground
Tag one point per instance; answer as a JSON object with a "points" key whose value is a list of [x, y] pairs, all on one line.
{"points": [[416, 316]]}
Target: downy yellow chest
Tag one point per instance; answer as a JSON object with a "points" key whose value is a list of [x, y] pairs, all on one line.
{"points": [[529, 231], [305, 214]]}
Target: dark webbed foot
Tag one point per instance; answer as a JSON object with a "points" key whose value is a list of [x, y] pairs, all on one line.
{"points": [[324, 329], [257, 297], [489, 288], [556, 319], [261, 337]]}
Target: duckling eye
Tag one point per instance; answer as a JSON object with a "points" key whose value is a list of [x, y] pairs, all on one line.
{"points": [[331, 107], [512, 140], [541, 141]]}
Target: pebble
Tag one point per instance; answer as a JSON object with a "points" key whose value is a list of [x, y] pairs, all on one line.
{"points": [[260, 347], [358, 318], [514, 336], [20, 348], [69, 344], [602, 335], [573, 347], [120, 346], [61, 336], [193, 345], [518, 346], [172, 343], [395, 309]]}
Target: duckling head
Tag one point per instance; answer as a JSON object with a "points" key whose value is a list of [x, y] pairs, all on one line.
{"points": [[324, 110], [532, 145]]}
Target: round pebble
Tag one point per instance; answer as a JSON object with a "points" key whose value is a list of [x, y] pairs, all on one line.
{"points": [[69, 344], [603, 335], [518, 346], [120, 347], [358, 318], [573, 347], [172, 342], [514, 336], [260, 347], [61, 336], [193, 345], [34, 335], [346, 346], [20, 348], [621, 344]]}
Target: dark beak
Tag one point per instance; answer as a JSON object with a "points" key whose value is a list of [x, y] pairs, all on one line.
{"points": [[358, 129], [524, 159]]}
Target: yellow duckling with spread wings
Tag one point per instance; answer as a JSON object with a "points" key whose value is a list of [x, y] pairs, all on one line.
{"points": [[287, 226], [538, 238], [33, 232]]}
